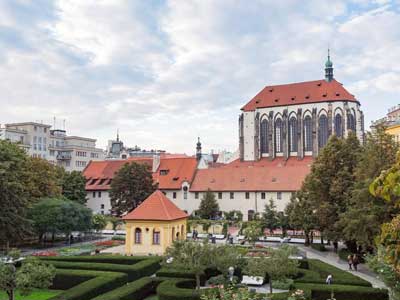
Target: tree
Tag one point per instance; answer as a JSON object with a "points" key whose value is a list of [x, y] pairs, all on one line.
{"points": [[277, 265], [209, 207], [270, 216], [115, 222], [390, 240], [45, 181], [253, 231], [73, 186], [226, 257], [99, 222], [32, 274], [131, 185], [14, 193]]}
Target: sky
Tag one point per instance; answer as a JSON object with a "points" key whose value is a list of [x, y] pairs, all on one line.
{"points": [[166, 72]]}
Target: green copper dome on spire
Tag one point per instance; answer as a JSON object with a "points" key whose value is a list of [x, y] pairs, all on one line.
{"points": [[329, 63], [329, 69]]}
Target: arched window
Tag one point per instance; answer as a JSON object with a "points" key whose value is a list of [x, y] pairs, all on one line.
{"points": [[264, 136], [185, 192], [351, 123], [307, 133], [322, 131], [338, 125], [156, 236], [278, 136], [138, 236], [250, 215], [293, 134]]}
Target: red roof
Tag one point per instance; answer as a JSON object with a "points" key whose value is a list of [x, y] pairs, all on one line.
{"points": [[263, 175], [299, 93], [172, 172], [156, 207]]}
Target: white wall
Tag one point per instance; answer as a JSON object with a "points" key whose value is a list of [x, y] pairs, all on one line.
{"points": [[95, 202]]}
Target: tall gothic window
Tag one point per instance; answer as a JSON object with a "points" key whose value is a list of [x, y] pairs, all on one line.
{"points": [[278, 136], [293, 134], [264, 136], [138, 236], [322, 131], [307, 134], [338, 125], [351, 122]]}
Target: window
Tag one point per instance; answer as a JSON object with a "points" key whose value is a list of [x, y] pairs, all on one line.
{"points": [[102, 206], [102, 212], [264, 136], [247, 195], [279, 195], [163, 172], [263, 195], [338, 125], [250, 215], [307, 134], [44, 143], [138, 236], [174, 195], [99, 194], [185, 192], [196, 195], [293, 134], [44, 130], [351, 123], [219, 195], [51, 152], [231, 195], [35, 128], [156, 237], [322, 131], [94, 194], [278, 136]]}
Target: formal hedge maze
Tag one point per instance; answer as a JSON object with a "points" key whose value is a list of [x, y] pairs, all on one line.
{"points": [[106, 277]]}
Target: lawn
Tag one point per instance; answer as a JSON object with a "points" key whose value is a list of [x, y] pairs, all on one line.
{"points": [[36, 295]]}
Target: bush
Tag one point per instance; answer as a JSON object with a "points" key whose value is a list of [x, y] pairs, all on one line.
{"points": [[343, 292], [118, 238], [96, 283], [286, 284], [136, 269], [221, 279], [138, 289], [303, 263], [319, 247], [182, 289], [177, 273]]}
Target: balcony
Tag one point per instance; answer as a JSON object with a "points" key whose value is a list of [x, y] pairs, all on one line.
{"points": [[64, 156]]}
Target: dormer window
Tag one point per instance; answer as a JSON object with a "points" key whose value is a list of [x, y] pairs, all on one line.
{"points": [[102, 181], [164, 172], [175, 178]]}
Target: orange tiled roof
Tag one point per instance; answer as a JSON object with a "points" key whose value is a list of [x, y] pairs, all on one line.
{"points": [[299, 93], [156, 207], [262, 175], [172, 172]]}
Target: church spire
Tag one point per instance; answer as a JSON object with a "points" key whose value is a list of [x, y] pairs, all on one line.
{"points": [[329, 69], [198, 149], [117, 135]]}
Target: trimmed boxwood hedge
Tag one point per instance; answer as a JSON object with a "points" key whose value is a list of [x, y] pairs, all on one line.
{"points": [[103, 258], [138, 289], [96, 283], [140, 268], [176, 273], [342, 292], [182, 289]]}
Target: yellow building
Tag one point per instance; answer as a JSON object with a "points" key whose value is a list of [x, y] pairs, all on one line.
{"points": [[154, 225], [394, 130]]}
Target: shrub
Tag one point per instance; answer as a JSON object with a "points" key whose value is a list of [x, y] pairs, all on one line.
{"points": [[319, 247], [96, 283], [138, 289], [178, 273], [303, 263], [343, 292], [286, 284], [221, 280], [118, 238], [182, 289]]}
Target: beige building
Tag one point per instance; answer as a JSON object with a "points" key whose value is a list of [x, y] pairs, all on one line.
{"points": [[71, 152], [153, 226]]}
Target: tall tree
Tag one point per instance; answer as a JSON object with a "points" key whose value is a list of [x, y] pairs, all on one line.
{"points": [[73, 186], [14, 193], [132, 184], [99, 222], [209, 207], [270, 216]]}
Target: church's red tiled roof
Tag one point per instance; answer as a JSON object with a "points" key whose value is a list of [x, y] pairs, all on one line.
{"points": [[299, 93], [263, 175], [156, 207]]}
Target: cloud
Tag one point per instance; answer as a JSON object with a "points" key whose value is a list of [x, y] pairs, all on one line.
{"points": [[165, 72]]}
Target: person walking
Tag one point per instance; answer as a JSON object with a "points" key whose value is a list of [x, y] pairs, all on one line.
{"points": [[350, 261], [356, 261], [329, 279]]}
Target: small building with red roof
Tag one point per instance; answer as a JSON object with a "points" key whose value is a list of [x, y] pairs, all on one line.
{"points": [[153, 226]]}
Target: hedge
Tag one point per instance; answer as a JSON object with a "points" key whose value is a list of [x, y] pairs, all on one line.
{"points": [[134, 271], [343, 292], [178, 273], [138, 289], [182, 289], [100, 282], [339, 276], [112, 259]]}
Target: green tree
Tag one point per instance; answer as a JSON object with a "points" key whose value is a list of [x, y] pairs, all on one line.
{"points": [[115, 222], [32, 274], [99, 222], [131, 185], [209, 207], [226, 257], [270, 216], [253, 231], [14, 193], [278, 265], [73, 186]]}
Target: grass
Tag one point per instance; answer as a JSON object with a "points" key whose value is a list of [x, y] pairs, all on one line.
{"points": [[35, 295]]}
